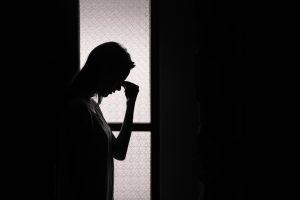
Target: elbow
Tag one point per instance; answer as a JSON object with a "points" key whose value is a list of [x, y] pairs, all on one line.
{"points": [[120, 156], [119, 152]]}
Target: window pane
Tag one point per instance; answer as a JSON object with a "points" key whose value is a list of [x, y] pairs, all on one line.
{"points": [[132, 176], [126, 22]]}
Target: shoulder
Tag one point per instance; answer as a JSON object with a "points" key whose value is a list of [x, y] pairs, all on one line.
{"points": [[78, 102], [77, 107]]}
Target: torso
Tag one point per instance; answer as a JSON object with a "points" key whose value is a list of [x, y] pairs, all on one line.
{"points": [[100, 123]]}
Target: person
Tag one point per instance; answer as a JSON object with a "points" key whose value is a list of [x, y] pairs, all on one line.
{"points": [[87, 144]]}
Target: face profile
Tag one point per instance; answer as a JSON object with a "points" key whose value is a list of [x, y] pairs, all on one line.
{"points": [[114, 83], [107, 67]]}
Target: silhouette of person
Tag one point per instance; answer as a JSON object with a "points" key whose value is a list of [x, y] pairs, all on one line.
{"points": [[87, 145]]}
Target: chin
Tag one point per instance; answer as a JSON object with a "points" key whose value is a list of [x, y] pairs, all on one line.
{"points": [[104, 93], [107, 94]]}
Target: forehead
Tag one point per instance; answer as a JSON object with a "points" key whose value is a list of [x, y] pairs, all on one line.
{"points": [[125, 73], [121, 74]]}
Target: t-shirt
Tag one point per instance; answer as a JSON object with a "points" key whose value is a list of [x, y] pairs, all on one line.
{"points": [[86, 148]]}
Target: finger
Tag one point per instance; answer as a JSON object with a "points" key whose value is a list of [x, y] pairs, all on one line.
{"points": [[124, 84], [129, 85]]}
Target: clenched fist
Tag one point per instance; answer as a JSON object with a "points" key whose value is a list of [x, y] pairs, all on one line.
{"points": [[131, 90]]}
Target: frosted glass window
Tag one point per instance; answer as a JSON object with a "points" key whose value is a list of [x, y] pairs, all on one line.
{"points": [[132, 176], [126, 22]]}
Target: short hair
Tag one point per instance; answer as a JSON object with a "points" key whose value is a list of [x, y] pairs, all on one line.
{"points": [[102, 62], [109, 55]]}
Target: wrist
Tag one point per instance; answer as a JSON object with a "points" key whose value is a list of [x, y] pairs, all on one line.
{"points": [[131, 101]]}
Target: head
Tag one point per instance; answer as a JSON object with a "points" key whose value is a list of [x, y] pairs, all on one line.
{"points": [[107, 66]]}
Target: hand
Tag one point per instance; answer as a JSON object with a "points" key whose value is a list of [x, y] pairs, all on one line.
{"points": [[131, 90]]}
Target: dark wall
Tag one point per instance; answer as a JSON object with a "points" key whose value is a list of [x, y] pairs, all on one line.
{"points": [[54, 58], [177, 100], [203, 58], [222, 64]]}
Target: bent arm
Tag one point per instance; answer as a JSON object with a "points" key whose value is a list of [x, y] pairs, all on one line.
{"points": [[120, 144]]}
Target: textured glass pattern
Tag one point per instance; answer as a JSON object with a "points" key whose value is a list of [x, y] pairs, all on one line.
{"points": [[132, 176], [126, 22]]}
